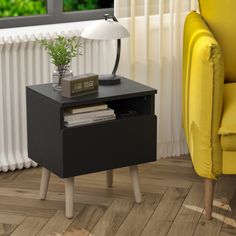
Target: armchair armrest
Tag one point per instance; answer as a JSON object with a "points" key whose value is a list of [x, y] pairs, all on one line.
{"points": [[202, 95]]}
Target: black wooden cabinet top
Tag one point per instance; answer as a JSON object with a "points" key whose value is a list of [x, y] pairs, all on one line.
{"points": [[126, 89]]}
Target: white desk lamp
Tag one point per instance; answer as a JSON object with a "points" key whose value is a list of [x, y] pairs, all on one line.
{"points": [[107, 29]]}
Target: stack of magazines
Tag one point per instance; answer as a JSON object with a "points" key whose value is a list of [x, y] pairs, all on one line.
{"points": [[88, 114]]}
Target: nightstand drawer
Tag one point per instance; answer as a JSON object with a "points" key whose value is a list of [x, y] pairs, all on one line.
{"points": [[109, 145]]}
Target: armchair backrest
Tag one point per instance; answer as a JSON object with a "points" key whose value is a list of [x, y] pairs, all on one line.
{"points": [[220, 15]]}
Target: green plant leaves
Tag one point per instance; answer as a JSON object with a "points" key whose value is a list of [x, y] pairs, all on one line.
{"points": [[62, 49]]}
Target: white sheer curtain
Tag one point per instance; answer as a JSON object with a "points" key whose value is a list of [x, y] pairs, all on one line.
{"points": [[153, 56]]}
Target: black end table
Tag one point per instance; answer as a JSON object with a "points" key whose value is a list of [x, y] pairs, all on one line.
{"points": [[69, 152]]}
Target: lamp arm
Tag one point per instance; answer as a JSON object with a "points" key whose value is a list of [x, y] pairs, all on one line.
{"points": [[107, 16], [117, 57]]}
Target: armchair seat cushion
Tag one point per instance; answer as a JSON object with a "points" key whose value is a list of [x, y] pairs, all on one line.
{"points": [[227, 129], [228, 142]]}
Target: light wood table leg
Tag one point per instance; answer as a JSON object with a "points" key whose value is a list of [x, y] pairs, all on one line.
{"points": [[209, 195], [109, 178], [69, 197], [44, 183], [136, 184]]}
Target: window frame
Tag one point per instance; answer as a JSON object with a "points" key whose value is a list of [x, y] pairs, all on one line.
{"points": [[54, 15]]}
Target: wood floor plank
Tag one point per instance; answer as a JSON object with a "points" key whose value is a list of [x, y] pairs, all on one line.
{"points": [[140, 214], [229, 226], [30, 173], [224, 190], [30, 207], [9, 176], [173, 161], [74, 232], [86, 184], [30, 202], [165, 213], [122, 186], [7, 218], [113, 217], [7, 229], [27, 211], [30, 226], [54, 196], [164, 170], [86, 220], [171, 180], [190, 212], [57, 224]]}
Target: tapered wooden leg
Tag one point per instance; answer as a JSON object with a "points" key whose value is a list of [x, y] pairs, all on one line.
{"points": [[44, 183], [109, 178], [136, 184], [209, 195], [69, 197]]}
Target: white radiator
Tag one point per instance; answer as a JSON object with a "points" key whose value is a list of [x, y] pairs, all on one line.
{"points": [[24, 62]]}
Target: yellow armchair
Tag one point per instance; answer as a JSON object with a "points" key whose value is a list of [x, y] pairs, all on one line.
{"points": [[209, 91]]}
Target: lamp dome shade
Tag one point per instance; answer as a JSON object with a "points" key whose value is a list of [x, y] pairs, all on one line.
{"points": [[105, 30]]}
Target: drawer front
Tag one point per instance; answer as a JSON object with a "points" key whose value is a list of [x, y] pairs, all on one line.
{"points": [[109, 145]]}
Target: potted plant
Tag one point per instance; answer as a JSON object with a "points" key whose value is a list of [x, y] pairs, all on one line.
{"points": [[61, 50]]}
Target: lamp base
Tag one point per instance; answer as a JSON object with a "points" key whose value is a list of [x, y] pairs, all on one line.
{"points": [[109, 79]]}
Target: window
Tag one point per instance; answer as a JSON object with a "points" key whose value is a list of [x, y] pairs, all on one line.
{"points": [[79, 5], [14, 13], [9, 8]]}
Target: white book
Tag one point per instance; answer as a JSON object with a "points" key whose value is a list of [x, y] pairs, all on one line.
{"points": [[87, 115], [82, 122], [89, 121], [87, 108]]}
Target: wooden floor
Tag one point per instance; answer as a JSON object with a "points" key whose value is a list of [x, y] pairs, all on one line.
{"points": [[173, 204]]}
